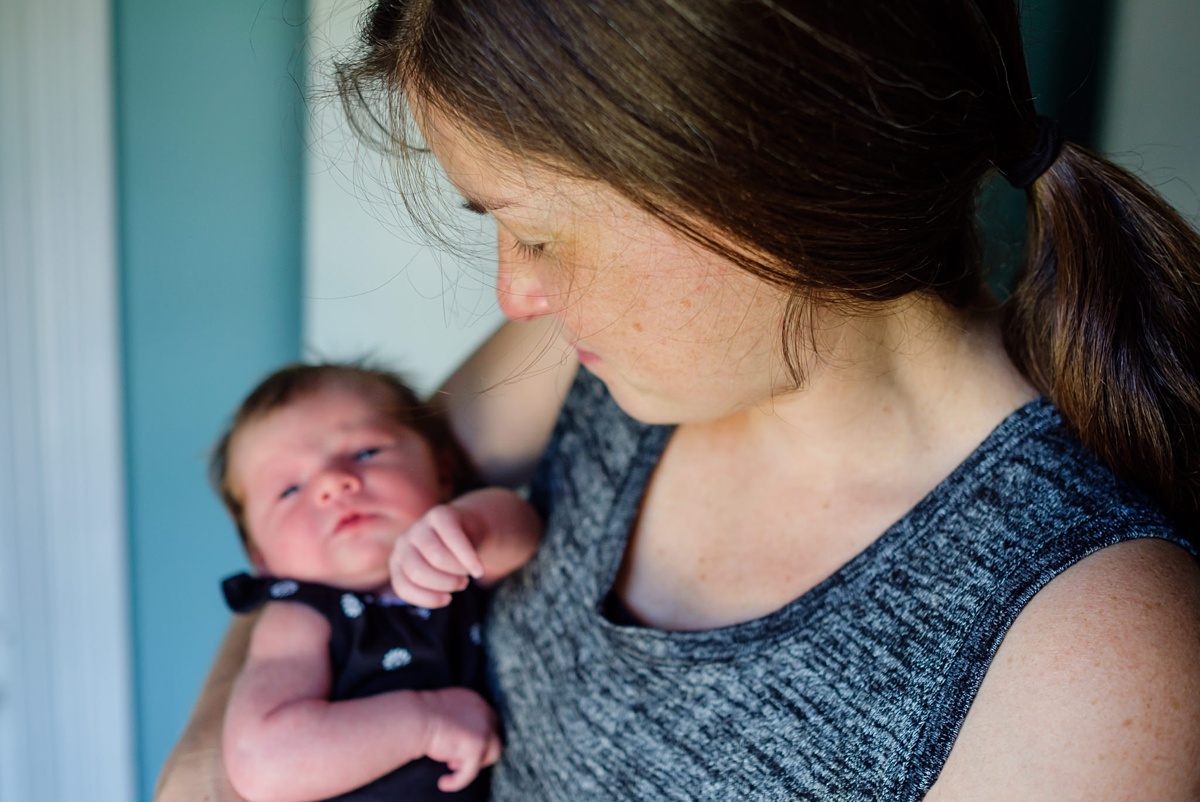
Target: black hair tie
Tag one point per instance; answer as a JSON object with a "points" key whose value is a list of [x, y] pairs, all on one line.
{"points": [[1023, 172]]}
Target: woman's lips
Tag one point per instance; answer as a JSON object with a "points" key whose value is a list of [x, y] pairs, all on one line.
{"points": [[586, 357]]}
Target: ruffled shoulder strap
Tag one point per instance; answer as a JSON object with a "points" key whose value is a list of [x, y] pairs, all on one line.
{"points": [[245, 593]]}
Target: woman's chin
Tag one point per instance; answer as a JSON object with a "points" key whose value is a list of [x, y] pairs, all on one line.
{"points": [[642, 404]]}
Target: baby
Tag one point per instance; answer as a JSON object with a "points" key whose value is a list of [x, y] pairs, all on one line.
{"points": [[342, 485]]}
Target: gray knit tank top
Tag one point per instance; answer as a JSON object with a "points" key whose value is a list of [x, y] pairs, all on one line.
{"points": [[854, 691]]}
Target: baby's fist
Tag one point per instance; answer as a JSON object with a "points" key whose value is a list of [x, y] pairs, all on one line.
{"points": [[434, 558], [463, 734]]}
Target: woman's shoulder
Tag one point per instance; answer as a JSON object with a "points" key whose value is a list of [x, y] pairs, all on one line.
{"points": [[1033, 474], [1084, 603], [1095, 690]]}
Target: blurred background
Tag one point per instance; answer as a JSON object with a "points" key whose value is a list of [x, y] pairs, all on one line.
{"points": [[180, 212]]}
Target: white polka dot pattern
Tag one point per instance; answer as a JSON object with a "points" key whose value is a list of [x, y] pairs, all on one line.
{"points": [[283, 588], [351, 605], [397, 658]]}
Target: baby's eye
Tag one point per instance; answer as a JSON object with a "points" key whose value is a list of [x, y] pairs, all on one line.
{"points": [[365, 454], [289, 491]]}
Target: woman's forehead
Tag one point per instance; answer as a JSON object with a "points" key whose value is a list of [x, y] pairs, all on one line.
{"points": [[494, 179]]}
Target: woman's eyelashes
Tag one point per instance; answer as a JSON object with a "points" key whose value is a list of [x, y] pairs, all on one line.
{"points": [[525, 250], [529, 252]]}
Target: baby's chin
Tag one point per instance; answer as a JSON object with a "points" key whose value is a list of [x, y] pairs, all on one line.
{"points": [[376, 587], [377, 581], [379, 588]]}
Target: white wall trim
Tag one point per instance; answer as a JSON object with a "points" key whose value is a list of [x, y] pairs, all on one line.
{"points": [[65, 690]]}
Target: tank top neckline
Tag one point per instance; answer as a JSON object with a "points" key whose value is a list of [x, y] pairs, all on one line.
{"points": [[622, 630]]}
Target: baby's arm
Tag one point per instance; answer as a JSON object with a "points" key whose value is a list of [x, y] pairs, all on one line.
{"points": [[284, 741], [486, 534]]}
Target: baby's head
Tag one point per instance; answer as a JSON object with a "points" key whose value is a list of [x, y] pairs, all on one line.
{"points": [[323, 466]]}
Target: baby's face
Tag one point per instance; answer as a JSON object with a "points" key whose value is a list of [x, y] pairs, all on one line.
{"points": [[327, 484]]}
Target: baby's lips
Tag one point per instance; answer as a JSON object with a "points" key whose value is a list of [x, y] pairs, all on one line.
{"points": [[349, 520]]}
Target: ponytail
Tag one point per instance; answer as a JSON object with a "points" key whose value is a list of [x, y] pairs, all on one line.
{"points": [[1106, 323]]}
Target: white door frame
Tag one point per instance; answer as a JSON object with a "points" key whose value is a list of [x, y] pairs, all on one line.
{"points": [[66, 707]]}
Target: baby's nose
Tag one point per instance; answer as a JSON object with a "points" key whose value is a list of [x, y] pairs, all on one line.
{"points": [[337, 483]]}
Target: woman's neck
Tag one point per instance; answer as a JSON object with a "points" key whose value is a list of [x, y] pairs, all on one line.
{"points": [[815, 475], [919, 385]]}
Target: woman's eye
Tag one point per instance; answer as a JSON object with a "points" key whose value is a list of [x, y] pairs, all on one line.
{"points": [[288, 491], [365, 454]]}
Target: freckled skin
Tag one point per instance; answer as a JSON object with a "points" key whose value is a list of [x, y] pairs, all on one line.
{"points": [[676, 332]]}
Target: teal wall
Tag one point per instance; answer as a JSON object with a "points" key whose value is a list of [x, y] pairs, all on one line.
{"points": [[210, 180]]}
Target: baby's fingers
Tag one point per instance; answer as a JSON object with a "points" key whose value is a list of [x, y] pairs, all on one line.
{"points": [[427, 543], [459, 778], [419, 583], [456, 550], [418, 596], [464, 772]]}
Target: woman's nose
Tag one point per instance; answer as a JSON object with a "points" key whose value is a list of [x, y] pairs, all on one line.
{"points": [[336, 483], [519, 291]]}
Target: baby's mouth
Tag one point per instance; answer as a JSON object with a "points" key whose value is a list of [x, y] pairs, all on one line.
{"points": [[349, 521]]}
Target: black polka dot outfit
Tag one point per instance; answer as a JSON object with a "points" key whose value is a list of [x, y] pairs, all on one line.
{"points": [[378, 644]]}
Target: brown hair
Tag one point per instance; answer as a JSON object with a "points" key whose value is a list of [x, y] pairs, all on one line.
{"points": [[837, 150], [294, 382]]}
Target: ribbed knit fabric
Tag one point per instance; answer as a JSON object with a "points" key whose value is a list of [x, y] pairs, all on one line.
{"points": [[854, 691]]}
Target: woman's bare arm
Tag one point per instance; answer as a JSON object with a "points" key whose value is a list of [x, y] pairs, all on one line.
{"points": [[503, 400], [504, 528], [195, 770], [1095, 692]]}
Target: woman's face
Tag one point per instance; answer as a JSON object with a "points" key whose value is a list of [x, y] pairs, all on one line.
{"points": [[676, 332]]}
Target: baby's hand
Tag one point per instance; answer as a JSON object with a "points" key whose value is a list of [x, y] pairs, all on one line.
{"points": [[434, 559], [462, 734]]}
